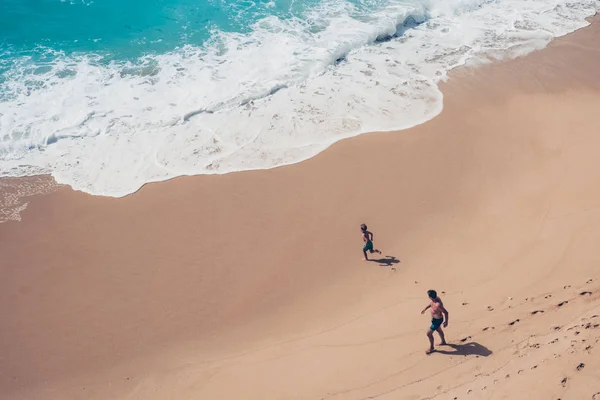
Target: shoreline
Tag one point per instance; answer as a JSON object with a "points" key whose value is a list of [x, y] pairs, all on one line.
{"points": [[468, 63], [463, 203]]}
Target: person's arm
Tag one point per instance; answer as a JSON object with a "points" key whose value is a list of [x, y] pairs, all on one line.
{"points": [[371, 235], [445, 312], [425, 309]]}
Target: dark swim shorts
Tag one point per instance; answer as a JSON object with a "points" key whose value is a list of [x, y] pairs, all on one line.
{"points": [[368, 246], [436, 323]]}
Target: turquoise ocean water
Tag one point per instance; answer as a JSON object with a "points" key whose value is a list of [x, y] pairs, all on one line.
{"points": [[108, 95], [125, 30]]}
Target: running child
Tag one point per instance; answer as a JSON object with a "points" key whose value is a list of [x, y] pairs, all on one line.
{"points": [[368, 239]]}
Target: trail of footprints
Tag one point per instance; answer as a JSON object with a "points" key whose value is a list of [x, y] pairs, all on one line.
{"points": [[592, 322], [562, 303]]}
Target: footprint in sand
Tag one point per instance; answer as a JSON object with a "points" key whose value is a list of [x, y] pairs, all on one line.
{"points": [[548, 296], [490, 308], [584, 293], [553, 341], [534, 367], [465, 304], [537, 311], [562, 303], [465, 339], [580, 366], [566, 287], [486, 328], [556, 328], [596, 396], [564, 382], [514, 322], [590, 281]]}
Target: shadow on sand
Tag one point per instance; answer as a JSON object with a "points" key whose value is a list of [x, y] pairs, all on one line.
{"points": [[466, 349], [387, 261]]}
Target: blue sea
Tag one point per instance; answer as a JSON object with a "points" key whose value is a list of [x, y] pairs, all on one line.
{"points": [[108, 95]]}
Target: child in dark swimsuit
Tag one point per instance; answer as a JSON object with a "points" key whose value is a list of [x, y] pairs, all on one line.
{"points": [[368, 239]]}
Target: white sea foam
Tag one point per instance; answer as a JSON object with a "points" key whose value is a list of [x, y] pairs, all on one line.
{"points": [[276, 96]]}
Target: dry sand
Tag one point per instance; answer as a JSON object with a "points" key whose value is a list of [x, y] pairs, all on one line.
{"points": [[251, 285]]}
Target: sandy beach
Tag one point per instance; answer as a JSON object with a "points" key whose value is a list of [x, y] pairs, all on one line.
{"points": [[251, 285]]}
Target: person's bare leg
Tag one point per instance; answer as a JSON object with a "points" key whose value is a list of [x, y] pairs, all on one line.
{"points": [[366, 257], [441, 333], [430, 337], [377, 251]]}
